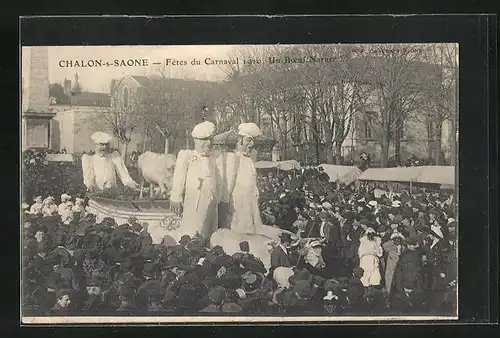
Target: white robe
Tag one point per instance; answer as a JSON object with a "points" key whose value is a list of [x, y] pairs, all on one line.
{"points": [[369, 260], [50, 209], [196, 183], [242, 194], [99, 172], [36, 208], [62, 208]]}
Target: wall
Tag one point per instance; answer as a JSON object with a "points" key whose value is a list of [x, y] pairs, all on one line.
{"points": [[64, 128], [37, 133]]}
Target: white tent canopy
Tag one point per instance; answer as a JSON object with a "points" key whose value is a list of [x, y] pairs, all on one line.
{"points": [[341, 173], [444, 175], [281, 165]]}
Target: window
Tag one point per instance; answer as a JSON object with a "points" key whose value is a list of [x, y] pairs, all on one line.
{"points": [[125, 97], [368, 133]]}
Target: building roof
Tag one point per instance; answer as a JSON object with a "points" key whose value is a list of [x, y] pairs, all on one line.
{"points": [[90, 99], [146, 81]]}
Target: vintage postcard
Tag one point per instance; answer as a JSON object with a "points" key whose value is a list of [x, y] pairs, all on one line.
{"points": [[239, 183]]}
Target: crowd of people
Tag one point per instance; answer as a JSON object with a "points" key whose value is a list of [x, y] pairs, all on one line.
{"points": [[382, 252]]}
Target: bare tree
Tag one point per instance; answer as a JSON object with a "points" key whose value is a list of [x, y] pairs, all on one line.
{"points": [[334, 91], [398, 79], [442, 98], [124, 116]]}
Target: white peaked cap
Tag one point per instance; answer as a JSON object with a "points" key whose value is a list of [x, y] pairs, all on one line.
{"points": [[78, 199], [38, 198], [101, 137], [65, 196], [203, 130], [373, 203], [248, 130]]}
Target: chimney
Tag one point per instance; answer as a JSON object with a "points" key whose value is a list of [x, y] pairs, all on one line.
{"points": [[112, 86], [67, 87], [36, 91]]}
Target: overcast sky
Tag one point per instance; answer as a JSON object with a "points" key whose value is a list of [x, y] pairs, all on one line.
{"points": [[98, 79]]}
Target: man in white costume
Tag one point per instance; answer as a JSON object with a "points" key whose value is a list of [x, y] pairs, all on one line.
{"points": [[100, 170], [196, 185], [240, 192]]}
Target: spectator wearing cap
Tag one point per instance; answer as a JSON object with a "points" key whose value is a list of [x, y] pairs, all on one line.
{"points": [[37, 206], [408, 269], [393, 248], [408, 300], [65, 198], [196, 185], [79, 207], [152, 285], [63, 303], [241, 197], [256, 297], [356, 290], [330, 232], [49, 207], [127, 296], [280, 255], [93, 304]]}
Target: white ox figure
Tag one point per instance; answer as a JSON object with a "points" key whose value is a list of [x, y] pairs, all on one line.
{"points": [[260, 245], [156, 169]]}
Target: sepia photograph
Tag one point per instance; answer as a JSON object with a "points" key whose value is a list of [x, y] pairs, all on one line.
{"points": [[239, 183]]}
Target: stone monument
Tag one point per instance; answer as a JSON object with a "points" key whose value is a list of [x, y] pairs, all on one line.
{"points": [[35, 114]]}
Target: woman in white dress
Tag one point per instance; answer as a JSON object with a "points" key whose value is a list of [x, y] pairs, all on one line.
{"points": [[370, 250]]}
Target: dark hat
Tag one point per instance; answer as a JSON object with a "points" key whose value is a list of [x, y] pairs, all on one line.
{"points": [[358, 271], [136, 227], [195, 245], [224, 260], [149, 269], [53, 281], [231, 308], [79, 255], [168, 241], [407, 213], [64, 292], [237, 257], [217, 294], [323, 215], [125, 278], [332, 285], [108, 222], [94, 280], [303, 288], [302, 274], [252, 282], [124, 226], [253, 264], [217, 250], [185, 239], [382, 228], [412, 240], [127, 291], [285, 237], [245, 246]]}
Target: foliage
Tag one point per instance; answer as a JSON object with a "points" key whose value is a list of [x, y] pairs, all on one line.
{"points": [[42, 178]]}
